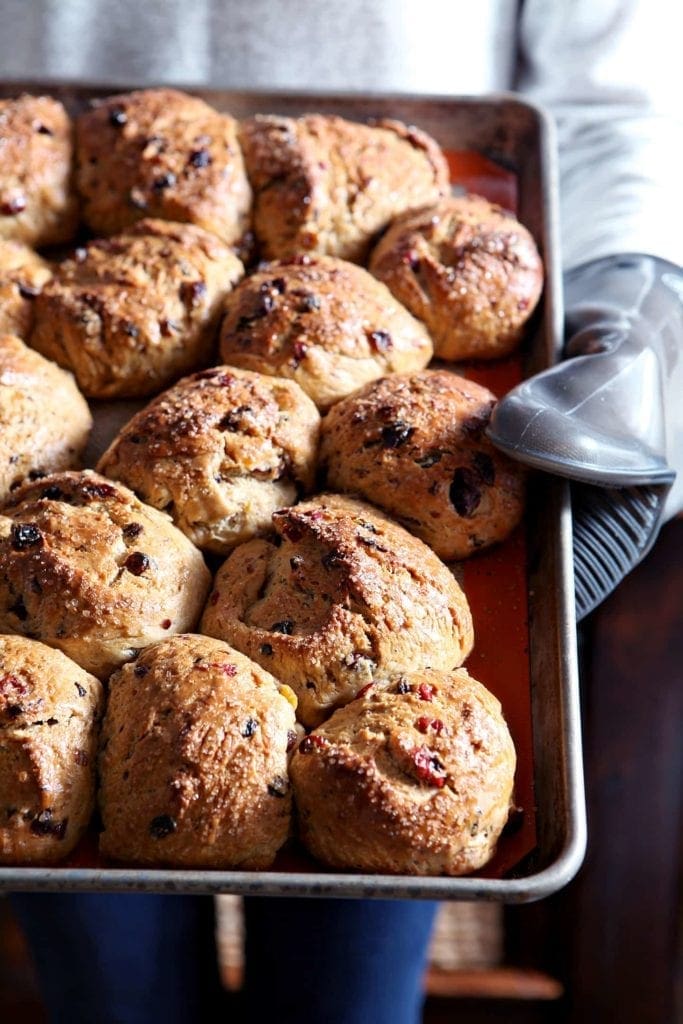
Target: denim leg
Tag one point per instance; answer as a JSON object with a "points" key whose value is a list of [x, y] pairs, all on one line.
{"points": [[313, 961], [121, 958]]}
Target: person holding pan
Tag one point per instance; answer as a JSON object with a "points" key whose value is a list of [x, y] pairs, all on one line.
{"points": [[610, 415]]}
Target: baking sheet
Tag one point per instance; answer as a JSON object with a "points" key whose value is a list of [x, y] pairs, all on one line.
{"points": [[521, 593]]}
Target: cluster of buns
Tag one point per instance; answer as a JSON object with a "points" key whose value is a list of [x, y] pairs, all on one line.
{"points": [[320, 457]]}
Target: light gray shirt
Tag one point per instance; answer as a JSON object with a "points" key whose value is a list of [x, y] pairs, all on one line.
{"points": [[608, 70]]}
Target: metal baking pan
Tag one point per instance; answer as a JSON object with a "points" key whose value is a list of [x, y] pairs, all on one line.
{"points": [[519, 139]]}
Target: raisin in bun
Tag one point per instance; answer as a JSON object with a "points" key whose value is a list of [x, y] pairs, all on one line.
{"points": [[44, 419], [130, 314], [415, 445], [344, 595], [161, 153], [468, 269], [49, 717], [195, 750], [220, 451], [37, 200], [326, 185], [87, 568], [414, 777], [326, 323], [22, 275]]}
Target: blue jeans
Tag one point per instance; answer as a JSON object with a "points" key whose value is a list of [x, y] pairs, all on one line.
{"points": [[147, 959]]}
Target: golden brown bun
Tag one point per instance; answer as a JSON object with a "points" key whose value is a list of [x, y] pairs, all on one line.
{"points": [[323, 184], [326, 323], [413, 779], [220, 451], [346, 595], [468, 269], [415, 446], [44, 419], [87, 568], [194, 759], [49, 717], [161, 153], [130, 314], [37, 201], [22, 275]]}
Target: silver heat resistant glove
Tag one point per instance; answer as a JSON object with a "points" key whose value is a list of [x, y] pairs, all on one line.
{"points": [[609, 417]]}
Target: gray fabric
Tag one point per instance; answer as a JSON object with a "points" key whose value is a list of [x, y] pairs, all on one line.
{"points": [[609, 70], [356, 44]]}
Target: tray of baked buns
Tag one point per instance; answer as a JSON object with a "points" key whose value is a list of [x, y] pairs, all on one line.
{"points": [[275, 616]]}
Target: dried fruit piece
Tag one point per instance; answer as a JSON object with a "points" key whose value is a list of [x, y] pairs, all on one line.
{"points": [[425, 724], [200, 158], [26, 535], [464, 492], [428, 767], [396, 434], [43, 825], [137, 563], [286, 626], [381, 341], [311, 743], [279, 786], [292, 737], [162, 826]]}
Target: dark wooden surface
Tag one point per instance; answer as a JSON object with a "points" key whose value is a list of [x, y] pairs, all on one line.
{"points": [[624, 911], [613, 936]]}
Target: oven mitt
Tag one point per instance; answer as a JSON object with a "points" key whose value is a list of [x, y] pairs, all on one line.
{"points": [[609, 417]]}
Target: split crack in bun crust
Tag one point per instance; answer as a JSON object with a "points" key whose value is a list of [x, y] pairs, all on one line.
{"points": [[162, 153], [87, 568], [131, 313], [326, 323], [194, 763], [220, 451], [323, 184], [414, 777], [415, 446], [468, 269], [346, 594]]}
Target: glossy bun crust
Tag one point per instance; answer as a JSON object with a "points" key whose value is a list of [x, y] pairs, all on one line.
{"points": [[468, 269], [220, 451], [326, 323], [161, 153], [345, 595], [37, 200], [415, 778], [326, 185], [22, 275], [44, 419], [194, 759], [415, 445], [49, 718], [87, 568], [130, 314]]}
